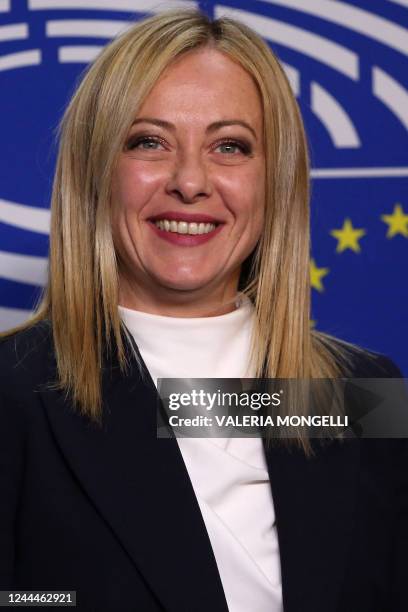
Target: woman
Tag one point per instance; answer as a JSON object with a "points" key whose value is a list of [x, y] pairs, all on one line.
{"points": [[179, 248]]}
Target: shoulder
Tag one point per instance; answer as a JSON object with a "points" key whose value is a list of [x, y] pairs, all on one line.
{"points": [[24, 355], [369, 364], [21, 344], [360, 362]]}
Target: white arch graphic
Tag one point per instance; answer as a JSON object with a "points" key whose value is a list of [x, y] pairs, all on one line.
{"points": [[20, 59], [4, 6], [321, 49], [23, 268], [293, 77], [81, 54], [11, 317], [401, 2], [111, 5], [97, 28], [353, 18], [391, 93], [349, 173], [334, 118], [13, 31], [25, 217]]}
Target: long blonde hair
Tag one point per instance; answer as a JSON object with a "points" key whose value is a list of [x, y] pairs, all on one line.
{"points": [[81, 296]]}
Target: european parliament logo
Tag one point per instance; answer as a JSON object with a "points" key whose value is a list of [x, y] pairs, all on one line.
{"points": [[347, 64]]}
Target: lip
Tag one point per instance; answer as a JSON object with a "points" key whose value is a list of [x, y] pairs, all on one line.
{"points": [[173, 215], [187, 240]]}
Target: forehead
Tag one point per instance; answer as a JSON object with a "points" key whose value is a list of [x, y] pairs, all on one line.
{"points": [[205, 84]]}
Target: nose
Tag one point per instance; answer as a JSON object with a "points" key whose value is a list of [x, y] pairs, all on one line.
{"points": [[189, 181]]}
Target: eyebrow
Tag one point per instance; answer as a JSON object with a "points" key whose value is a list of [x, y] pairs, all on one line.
{"points": [[216, 125]]}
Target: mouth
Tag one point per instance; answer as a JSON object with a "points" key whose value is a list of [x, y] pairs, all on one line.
{"points": [[182, 227], [183, 223], [185, 229]]}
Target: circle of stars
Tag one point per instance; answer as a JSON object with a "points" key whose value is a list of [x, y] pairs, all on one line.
{"points": [[348, 237]]}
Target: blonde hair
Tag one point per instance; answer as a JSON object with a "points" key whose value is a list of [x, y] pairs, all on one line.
{"points": [[81, 296]]}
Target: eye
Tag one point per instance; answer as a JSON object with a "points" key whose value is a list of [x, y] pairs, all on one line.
{"points": [[150, 143], [141, 141], [230, 145]]}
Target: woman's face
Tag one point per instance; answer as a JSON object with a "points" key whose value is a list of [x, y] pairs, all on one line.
{"points": [[188, 190]]}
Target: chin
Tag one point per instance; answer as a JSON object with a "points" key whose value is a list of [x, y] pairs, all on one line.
{"points": [[183, 282]]}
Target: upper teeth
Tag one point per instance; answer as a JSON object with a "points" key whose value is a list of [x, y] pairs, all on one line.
{"points": [[182, 227]]}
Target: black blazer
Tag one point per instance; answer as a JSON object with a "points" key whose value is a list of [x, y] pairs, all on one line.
{"points": [[112, 513]]}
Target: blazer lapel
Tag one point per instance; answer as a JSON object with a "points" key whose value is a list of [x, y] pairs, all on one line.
{"points": [[141, 487], [314, 501]]}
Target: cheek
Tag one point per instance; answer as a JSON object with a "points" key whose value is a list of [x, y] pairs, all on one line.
{"points": [[244, 189], [258, 201], [254, 214], [133, 185], [256, 224], [247, 200]]}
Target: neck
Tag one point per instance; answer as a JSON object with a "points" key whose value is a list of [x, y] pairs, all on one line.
{"points": [[176, 303]]}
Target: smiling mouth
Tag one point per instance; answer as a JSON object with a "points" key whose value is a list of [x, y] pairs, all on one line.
{"points": [[183, 227]]}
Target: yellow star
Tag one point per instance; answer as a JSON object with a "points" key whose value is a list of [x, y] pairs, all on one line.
{"points": [[316, 275], [348, 237], [397, 222]]}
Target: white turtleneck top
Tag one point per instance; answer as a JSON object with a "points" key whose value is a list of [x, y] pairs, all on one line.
{"points": [[229, 475]]}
